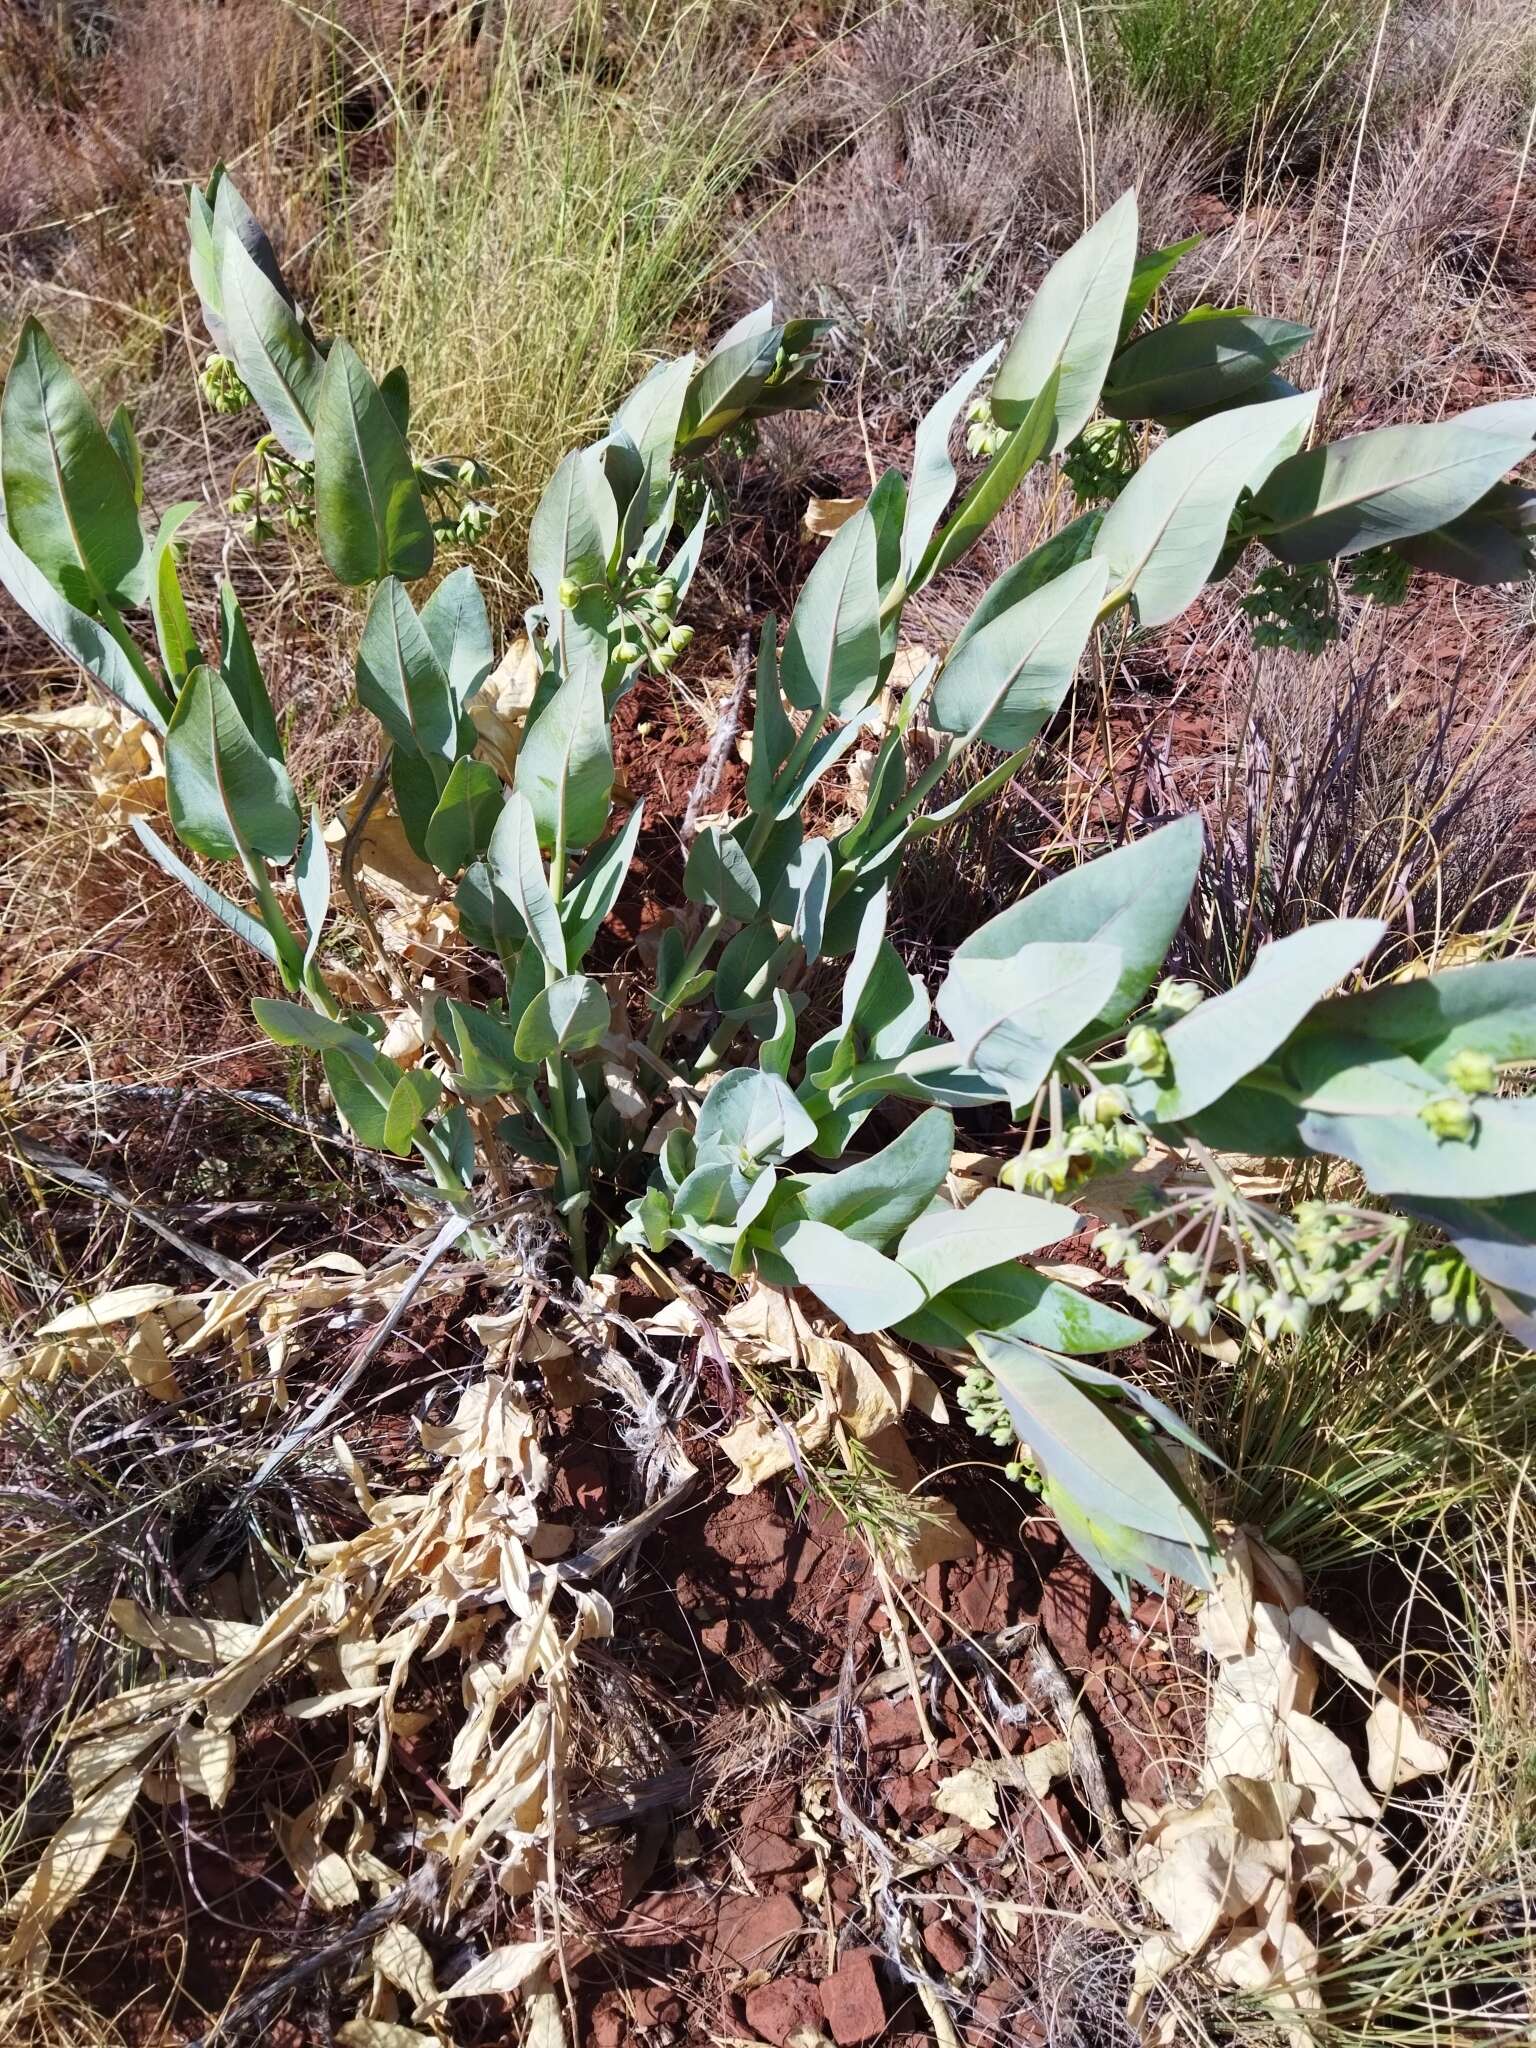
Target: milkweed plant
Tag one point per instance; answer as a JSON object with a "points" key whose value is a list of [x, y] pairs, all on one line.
{"points": [[705, 1108]]}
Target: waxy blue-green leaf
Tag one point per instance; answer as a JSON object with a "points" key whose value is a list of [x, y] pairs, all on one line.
{"points": [[241, 922], [278, 362], [593, 893], [459, 830], [997, 483], [564, 541], [752, 1118], [1011, 1018], [718, 872], [945, 1246], [121, 433], [650, 416], [80, 638], [242, 672], [489, 1063], [1472, 549], [1226, 1038], [454, 619], [1005, 682], [356, 1083], [296, 1024], [1498, 1241], [203, 263], [414, 1096], [1390, 483], [571, 1015], [1088, 1446], [1152, 270], [224, 793], [801, 896], [516, 870], [69, 503], [173, 628], [772, 733], [1072, 326], [565, 765], [933, 472], [1363, 1104], [1133, 899], [369, 515], [877, 1198], [312, 883], [1195, 365], [402, 682], [1488, 1007], [1016, 1301], [729, 379], [1162, 535], [863, 1290], [831, 659], [1042, 565]]}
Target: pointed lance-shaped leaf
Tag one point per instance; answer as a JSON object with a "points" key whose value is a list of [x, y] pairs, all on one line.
{"points": [[369, 514], [1072, 326], [1004, 682], [225, 794]]}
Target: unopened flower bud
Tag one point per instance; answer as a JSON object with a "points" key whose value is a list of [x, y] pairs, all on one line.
{"points": [[1179, 997], [679, 638], [1147, 1050], [1451, 1118], [569, 592], [1105, 1106], [664, 596], [627, 653], [1473, 1072]]}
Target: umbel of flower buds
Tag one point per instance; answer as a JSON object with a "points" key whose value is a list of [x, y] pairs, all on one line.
{"points": [[1147, 1050], [1451, 1118]]}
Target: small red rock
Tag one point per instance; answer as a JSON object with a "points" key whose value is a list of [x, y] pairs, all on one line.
{"points": [[656, 2006], [750, 1931], [778, 2009], [891, 1723], [851, 2000], [945, 1946], [608, 2021]]}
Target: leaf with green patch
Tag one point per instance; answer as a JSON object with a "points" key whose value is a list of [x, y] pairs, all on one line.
{"points": [[1072, 327], [566, 542], [459, 830], [369, 515], [121, 433], [225, 794], [1133, 899], [943, 1247], [1488, 1007], [1151, 272], [414, 1096], [571, 1015], [863, 1290], [831, 660], [1390, 483], [565, 765], [242, 672], [753, 1118], [239, 921], [1162, 535], [1016, 1301], [1194, 365], [278, 362], [1006, 681], [718, 872], [455, 622], [173, 628], [489, 1063], [879, 1197], [650, 417], [69, 502], [401, 681], [593, 893], [517, 872]]}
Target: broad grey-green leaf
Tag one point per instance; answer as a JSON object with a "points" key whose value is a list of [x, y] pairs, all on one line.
{"points": [[1472, 549], [804, 893], [203, 263], [224, 793], [718, 872], [1162, 535], [1364, 1105], [81, 638], [772, 733], [369, 515], [565, 541], [947, 1246], [401, 681], [356, 1086], [295, 1024], [455, 621], [516, 871], [650, 417], [1072, 326], [1152, 269], [1010, 1018], [1133, 899], [1088, 1445], [863, 1290], [173, 628], [571, 1015], [1192, 365], [1392, 482], [1025, 445], [312, 882], [1489, 1007], [1215, 1046], [593, 893], [1042, 565], [488, 1058], [1016, 1301], [242, 672], [1006, 681], [120, 432], [69, 502], [280, 365], [239, 921], [831, 660], [459, 830], [565, 765], [414, 1096], [878, 1197], [933, 473], [750, 1116]]}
